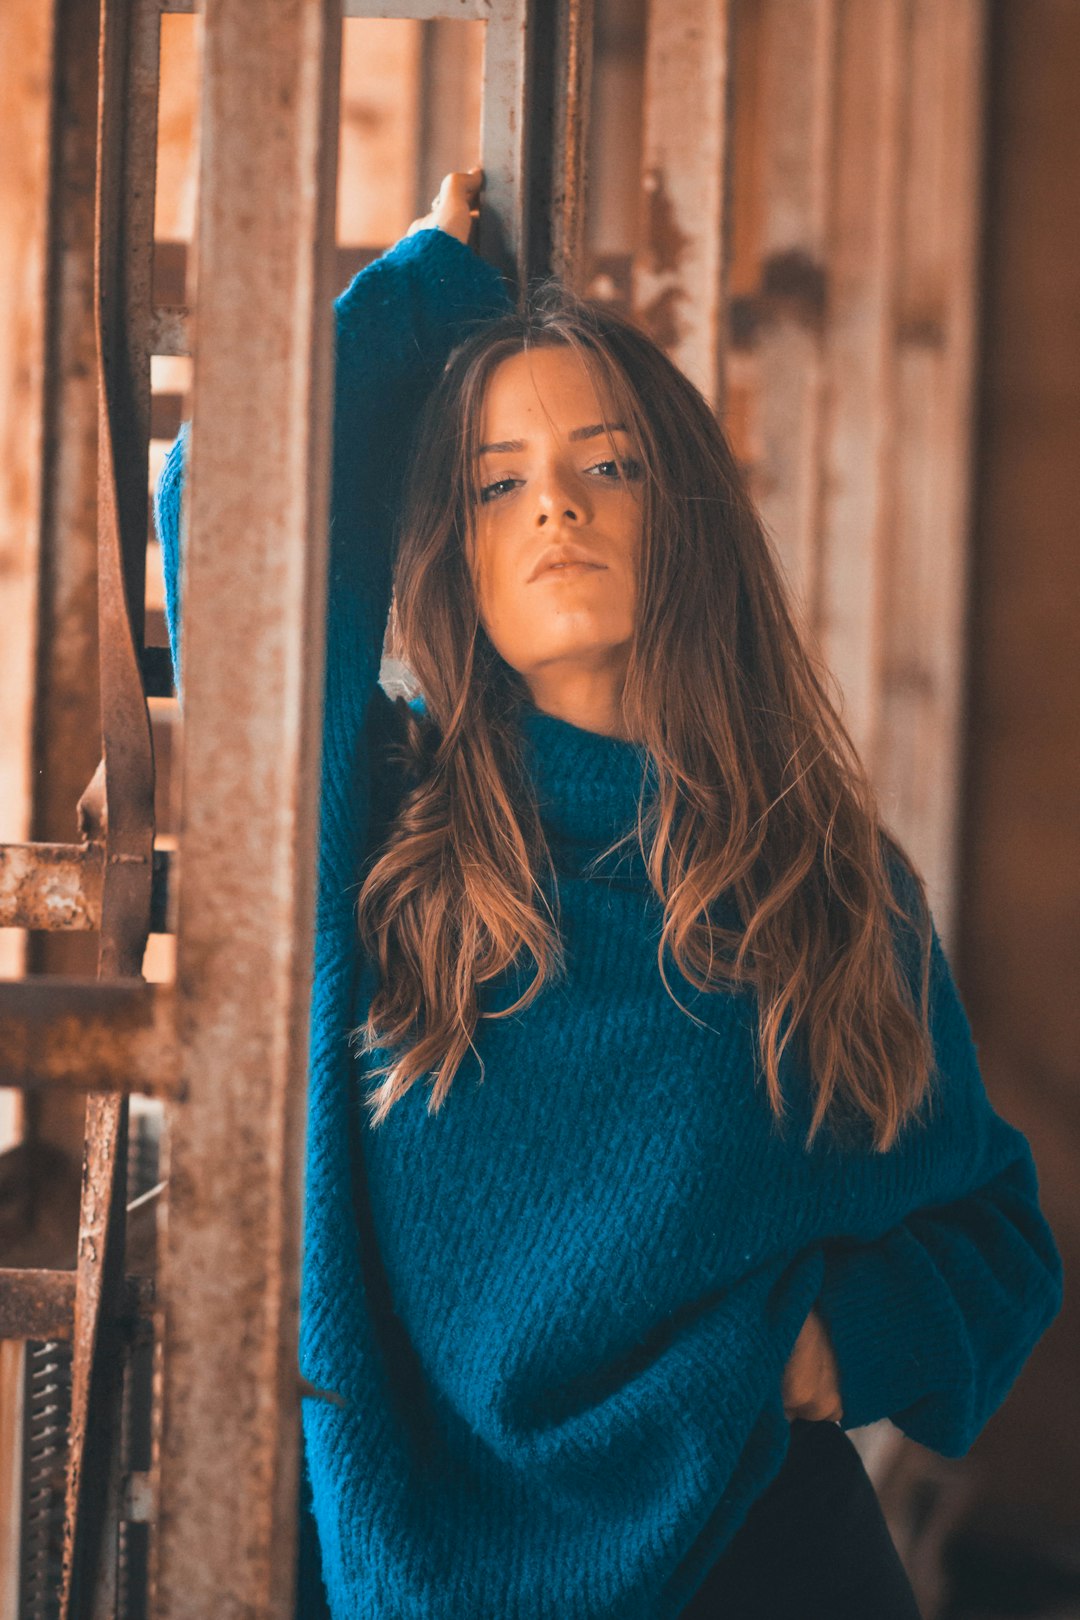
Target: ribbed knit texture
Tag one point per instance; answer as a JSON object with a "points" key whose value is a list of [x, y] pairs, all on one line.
{"points": [[558, 1312]]}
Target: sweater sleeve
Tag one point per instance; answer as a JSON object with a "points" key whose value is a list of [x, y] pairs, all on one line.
{"points": [[933, 1320], [395, 325]]}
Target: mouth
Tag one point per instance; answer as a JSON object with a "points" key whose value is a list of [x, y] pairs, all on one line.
{"points": [[568, 568]]}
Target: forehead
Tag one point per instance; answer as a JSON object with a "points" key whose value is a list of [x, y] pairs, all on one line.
{"points": [[535, 388]]}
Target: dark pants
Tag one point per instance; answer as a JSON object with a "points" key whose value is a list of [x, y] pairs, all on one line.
{"points": [[814, 1546]]}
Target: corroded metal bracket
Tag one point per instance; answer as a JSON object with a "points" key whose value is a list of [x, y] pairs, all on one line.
{"points": [[116, 1036], [58, 887]]}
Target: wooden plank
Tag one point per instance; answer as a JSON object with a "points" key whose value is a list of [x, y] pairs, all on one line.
{"points": [[780, 269], [918, 764], [851, 369], [858, 436], [678, 274]]}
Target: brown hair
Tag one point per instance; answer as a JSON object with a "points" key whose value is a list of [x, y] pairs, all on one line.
{"points": [[760, 795]]}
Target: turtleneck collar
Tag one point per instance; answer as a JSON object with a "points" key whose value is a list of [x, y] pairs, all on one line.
{"points": [[587, 784]]}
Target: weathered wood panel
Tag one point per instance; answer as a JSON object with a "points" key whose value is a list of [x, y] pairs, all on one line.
{"points": [[853, 298], [678, 272]]}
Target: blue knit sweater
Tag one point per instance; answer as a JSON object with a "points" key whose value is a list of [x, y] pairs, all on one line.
{"points": [[559, 1312]]}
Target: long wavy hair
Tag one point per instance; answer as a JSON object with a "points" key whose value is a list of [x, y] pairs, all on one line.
{"points": [[760, 796]]}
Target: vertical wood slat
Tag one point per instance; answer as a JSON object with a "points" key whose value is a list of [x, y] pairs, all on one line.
{"points": [[253, 655], [854, 348], [784, 108], [678, 273], [921, 733], [858, 435]]}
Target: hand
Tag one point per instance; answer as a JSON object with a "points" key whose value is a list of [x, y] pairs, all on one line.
{"points": [[456, 206], [811, 1378]]}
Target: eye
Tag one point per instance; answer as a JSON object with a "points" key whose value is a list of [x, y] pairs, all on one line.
{"points": [[491, 492], [630, 468]]}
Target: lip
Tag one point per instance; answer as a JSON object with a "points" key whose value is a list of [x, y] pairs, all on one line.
{"points": [[567, 555]]}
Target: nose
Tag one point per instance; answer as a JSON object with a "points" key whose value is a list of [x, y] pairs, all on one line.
{"points": [[556, 499]]}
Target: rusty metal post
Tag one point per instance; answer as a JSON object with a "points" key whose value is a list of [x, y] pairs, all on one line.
{"points": [[118, 806], [253, 656]]}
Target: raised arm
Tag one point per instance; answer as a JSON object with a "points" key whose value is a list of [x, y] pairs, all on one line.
{"points": [[394, 327]]}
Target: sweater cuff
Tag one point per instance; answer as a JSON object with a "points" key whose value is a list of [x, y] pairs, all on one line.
{"points": [[890, 1325], [477, 289]]}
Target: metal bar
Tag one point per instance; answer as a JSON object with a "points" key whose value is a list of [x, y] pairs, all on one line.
{"points": [[678, 276], [253, 655], [170, 331], [41, 1304], [121, 800], [36, 1304], [57, 887], [67, 723], [50, 886], [571, 98], [86, 1035], [124, 248], [88, 1582], [502, 235]]}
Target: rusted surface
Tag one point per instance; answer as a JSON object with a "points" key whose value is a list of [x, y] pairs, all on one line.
{"points": [[81, 1035], [123, 243], [558, 58], [66, 700], [36, 1304], [54, 887], [502, 235], [574, 74], [50, 886], [124, 247], [88, 1581], [170, 332], [254, 610], [679, 271]]}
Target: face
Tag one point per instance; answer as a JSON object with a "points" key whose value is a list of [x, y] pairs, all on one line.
{"points": [[551, 477]]}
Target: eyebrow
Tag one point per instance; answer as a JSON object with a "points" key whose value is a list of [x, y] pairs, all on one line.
{"points": [[593, 431]]}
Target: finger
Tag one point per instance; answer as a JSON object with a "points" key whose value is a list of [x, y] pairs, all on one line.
{"points": [[461, 185]]}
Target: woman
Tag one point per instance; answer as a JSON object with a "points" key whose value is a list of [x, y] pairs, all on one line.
{"points": [[608, 1239]]}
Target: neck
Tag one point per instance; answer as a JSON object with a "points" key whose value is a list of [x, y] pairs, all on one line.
{"points": [[588, 700]]}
